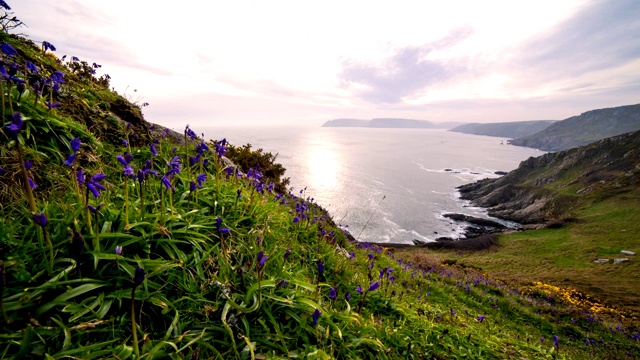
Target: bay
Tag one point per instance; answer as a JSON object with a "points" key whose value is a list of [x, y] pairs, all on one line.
{"points": [[384, 185]]}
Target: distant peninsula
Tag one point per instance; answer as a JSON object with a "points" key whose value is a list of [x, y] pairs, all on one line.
{"points": [[390, 123], [512, 129]]}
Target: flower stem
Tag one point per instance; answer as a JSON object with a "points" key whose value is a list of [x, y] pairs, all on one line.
{"points": [[50, 246], [25, 175], [136, 350]]}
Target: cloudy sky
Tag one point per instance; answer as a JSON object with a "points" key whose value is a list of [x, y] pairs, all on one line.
{"points": [[210, 63]]}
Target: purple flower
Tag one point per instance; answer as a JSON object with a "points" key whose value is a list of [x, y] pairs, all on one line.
{"points": [[47, 45], [31, 67], [167, 184], [201, 178], [74, 58], [4, 5], [75, 144], [296, 219], [153, 149], [453, 313], [122, 160], [542, 339], [316, 316], [16, 125], [556, 340], [118, 250], [190, 133], [8, 49], [40, 219], [98, 177], [359, 289], [139, 276], [348, 297], [95, 209], [282, 284], [320, 267], [52, 105], [125, 142], [2, 171], [32, 184], [128, 171], [81, 176], [333, 294], [287, 254], [374, 286], [220, 228], [262, 258], [192, 186]]}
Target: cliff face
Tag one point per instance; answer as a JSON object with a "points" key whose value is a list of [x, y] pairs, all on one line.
{"points": [[550, 186], [584, 129]]}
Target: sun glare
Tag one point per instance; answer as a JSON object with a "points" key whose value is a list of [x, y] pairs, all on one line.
{"points": [[323, 163]]}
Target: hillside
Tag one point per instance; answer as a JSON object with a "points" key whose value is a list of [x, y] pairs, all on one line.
{"points": [[121, 240], [551, 186], [583, 129], [511, 130]]}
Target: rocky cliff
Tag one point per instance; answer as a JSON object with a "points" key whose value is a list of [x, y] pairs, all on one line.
{"points": [[550, 186]]}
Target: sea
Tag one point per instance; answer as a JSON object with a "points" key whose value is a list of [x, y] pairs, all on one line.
{"points": [[383, 185]]}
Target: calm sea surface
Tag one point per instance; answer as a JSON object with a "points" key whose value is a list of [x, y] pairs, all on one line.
{"points": [[393, 180]]}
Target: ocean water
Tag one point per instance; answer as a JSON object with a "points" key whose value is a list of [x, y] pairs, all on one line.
{"points": [[385, 185]]}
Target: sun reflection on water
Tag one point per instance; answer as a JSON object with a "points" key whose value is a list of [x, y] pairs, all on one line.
{"points": [[323, 163]]}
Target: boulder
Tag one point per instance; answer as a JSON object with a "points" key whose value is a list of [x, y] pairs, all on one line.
{"points": [[627, 252], [601, 261], [620, 260]]}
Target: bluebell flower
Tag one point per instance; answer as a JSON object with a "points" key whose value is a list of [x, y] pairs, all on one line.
{"points": [[153, 149], [80, 176], [47, 45], [193, 186], [201, 178], [74, 58], [374, 286], [122, 160], [16, 125], [262, 258], [190, 133], [8, 50], [167, 184], [2, 171], [118, 250], [219, 226], [128, 171], [40, 219], [287, 254], [31, 67], [124, 142], [333, 294], [316, 316], [452, 312], [556, 340], [52, 105], [75, 144], [359, 289], [28, 164], [32, 184], [138, 277], [95, 209], [95, 66], [348, 297], [320, 267], [4, 5], [282, 284], [70, 160]]}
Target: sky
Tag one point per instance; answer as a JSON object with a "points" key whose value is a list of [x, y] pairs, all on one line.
{"points": [[212, 63]]}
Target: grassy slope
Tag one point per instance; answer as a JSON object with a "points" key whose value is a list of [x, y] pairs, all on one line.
{"points": [[204, 294], [605, 224]]}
